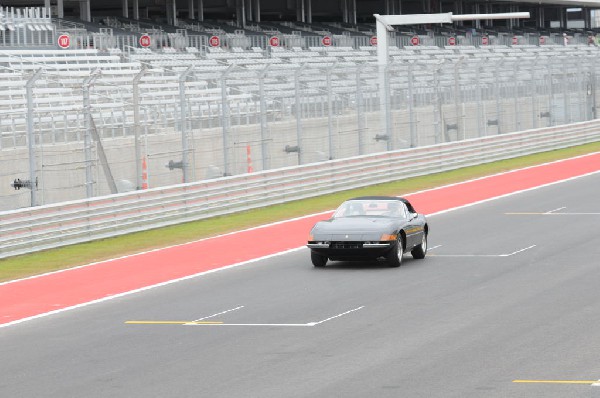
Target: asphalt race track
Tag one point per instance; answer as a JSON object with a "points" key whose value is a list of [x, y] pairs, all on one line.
{"points": [[506, 304]]}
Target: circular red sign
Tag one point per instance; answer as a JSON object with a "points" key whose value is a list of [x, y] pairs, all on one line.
{"points": [[373, 40], [64, 41], [452, 41], [274, 41], [515, 40], [485, 40], [214, 41], [145, 41], [542, 40], [326, 41], [415, 40]]}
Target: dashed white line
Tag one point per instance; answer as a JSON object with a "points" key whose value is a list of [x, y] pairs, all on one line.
{"points": [[219, 313], [336, 316], [484, 255], [517, 252], [309, 324]]}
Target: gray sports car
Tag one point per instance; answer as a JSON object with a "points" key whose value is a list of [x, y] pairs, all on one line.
{"points": [[370, 227]]}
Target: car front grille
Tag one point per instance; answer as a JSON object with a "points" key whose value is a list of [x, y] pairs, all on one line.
{"points": [[346, 245]]}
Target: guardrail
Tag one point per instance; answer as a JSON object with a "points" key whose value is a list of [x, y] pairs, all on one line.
{"points": [[44, 227]]}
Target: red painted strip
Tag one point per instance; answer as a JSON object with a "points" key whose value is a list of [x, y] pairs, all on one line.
{"points": [[30, 297]]}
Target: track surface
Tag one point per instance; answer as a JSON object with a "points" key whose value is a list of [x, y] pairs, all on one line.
{"points": [[475, 315], [30, 298]]}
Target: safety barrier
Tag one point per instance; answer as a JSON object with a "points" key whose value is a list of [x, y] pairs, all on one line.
{"points": [[38, 228]]}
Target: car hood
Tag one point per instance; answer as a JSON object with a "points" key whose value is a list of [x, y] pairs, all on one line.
{"points": [[353, 228]]}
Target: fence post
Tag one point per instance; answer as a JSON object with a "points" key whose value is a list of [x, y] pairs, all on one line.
{"points": [[567, 103], [136, 127], [183, 125], [330, 111], [497, 95], [593, 89], [87, 138], [297, 87], [266, 164], [225, 119], [411, 110], [457, 99], [516, 94], [551, 117], [437, 108], [359, 112], [31, 136], [533, 90], [479, 104]]}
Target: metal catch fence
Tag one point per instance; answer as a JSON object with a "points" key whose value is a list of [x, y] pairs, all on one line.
{"points": [[88, 125]]}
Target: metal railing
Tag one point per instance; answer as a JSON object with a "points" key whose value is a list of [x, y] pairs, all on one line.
{"points": [[51, 226]]}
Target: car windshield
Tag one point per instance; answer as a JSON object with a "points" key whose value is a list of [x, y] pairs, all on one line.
{"points": [[371, 208]]}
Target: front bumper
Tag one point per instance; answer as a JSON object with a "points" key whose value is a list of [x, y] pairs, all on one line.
{"points": [[344, 250]]}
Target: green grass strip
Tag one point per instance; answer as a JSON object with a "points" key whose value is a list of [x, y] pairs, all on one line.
{"points": [[85, 253]]}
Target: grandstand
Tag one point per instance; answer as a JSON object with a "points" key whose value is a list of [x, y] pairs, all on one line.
{"points": [[127, 92]]}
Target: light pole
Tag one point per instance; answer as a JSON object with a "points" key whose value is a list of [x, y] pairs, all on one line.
{"points": [[386, 23]]}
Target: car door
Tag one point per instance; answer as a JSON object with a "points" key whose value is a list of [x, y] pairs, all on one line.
{"points": [[414, 230]]}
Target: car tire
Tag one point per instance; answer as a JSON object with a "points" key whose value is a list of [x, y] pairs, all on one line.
{"points": [[318, 260], [394, 257], [420, 251]]}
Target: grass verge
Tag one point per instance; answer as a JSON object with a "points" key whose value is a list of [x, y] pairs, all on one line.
{"points": [[85, 253]]}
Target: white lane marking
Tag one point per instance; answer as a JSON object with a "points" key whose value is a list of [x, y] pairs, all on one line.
{"points": [[574, 214], [484, 255], [555, 210], [309, 324], [517, 252], [552, 214], [219, 313], [337, 316], [434, 247], [596, 384]]}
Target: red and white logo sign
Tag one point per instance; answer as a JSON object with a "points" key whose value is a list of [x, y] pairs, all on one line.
{"points": [[145, 41], [415, 40], [274, 41], [64, 41], [542, 40], [485, 40], [373, 40], [214, 41], [326, 41], [452, 41], [515, 40]]}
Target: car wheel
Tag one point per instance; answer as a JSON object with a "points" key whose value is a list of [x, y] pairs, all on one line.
{"points": [[318, 260], [420, 251], [394, 257]]}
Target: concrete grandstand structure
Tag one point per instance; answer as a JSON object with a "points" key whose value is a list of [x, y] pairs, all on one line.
{"points": [[112, 113]]}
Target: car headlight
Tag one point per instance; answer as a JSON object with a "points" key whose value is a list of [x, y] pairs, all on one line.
{"points": [[386, 237]]}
